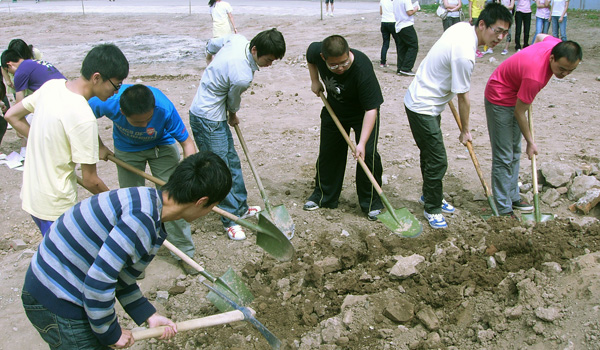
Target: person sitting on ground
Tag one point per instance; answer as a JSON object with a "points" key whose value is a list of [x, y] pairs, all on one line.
{"points": [[64, 132], [509, 93], [146, 126], [92, 254], [355, 96], [444, 73], [217, 102]]}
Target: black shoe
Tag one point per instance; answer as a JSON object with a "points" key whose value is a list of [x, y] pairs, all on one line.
{"points": [[408, 73], [187, 269], [372, 215], [522, 206]]}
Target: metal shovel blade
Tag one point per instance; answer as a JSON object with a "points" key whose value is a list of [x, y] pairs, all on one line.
{"points": [[537, 215], [407, 224], [272, 240], [282, 219], [233, 287]]}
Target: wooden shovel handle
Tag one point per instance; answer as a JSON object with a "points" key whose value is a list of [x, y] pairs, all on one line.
{"points": [[471, 151], [160, 182], [351, 144], [183, 256], [209, 321]]}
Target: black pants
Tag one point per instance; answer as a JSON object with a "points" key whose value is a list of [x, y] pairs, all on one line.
{"points": [[524, 18], [409, 47], [331, 165], [3, 123], [387, 29], [434, 163]]}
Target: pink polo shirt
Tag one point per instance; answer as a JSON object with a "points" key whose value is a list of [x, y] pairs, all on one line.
{"points": [[522, 75]]}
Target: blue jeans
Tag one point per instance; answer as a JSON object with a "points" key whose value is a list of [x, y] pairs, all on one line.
{"points": [[541, 26], [43, 225], [505, 137], [60, 333], [562, 25], [216, 137]]}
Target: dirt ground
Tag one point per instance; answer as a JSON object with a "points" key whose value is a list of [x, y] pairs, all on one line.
{"points": [[541, 290]]}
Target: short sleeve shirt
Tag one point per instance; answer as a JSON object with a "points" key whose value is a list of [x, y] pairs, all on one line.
{"points": [[352, 93], [164, 128], [522, 75], [33, 74]]}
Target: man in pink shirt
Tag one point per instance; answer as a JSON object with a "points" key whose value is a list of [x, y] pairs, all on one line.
{"points": [[508, 94]]}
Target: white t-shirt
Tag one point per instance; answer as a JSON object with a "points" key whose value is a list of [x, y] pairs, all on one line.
{"points": [[558, 6], [387, 11], [445, 71], [403, 20], [219, 13], [63, 132]]}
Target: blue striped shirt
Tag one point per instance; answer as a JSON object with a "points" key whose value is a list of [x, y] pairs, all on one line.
{"points": [[93, 253]]}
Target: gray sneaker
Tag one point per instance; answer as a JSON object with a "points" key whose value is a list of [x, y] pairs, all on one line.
{"points": [[372, 215], [310, 206]]}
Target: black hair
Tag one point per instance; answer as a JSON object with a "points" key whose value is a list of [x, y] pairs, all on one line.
{"points": [[203, 174], [211, 2], [9, 56], [137, 99], [25, 51], [569, 50], [334, 46], [269, 42], [494, 12], [106, 59]]}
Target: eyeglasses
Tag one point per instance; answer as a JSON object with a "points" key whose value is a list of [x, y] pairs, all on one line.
{"points": [[499, 31], [342, 65], [117, 87]]}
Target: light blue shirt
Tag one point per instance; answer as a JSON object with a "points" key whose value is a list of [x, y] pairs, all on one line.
{"points": [[225, 79]]}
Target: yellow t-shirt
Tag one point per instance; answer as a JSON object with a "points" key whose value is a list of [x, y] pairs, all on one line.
{"points": [[476, 7], [63, 132]]}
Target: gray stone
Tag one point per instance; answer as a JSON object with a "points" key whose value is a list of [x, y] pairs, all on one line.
{"points": [[350, 300], [550, 196], [400, 310], [581, 184], [332, 330], [162, 296], [329, 264], [428, 318], [406, 266], [557, 174], [514, 312], [18, 244], [485, 335], [549, 314]]}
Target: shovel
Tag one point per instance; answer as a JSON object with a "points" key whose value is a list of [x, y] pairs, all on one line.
{"points": [[537, 215], [486, 189], [278, 214], [399, 221], [268, 237]]}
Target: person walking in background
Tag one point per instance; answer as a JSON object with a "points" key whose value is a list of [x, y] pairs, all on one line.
{"points": [[509, 93], [542, 18], [454, 8], [404, 11], [388, 28], [327, 13], [510, 5], [559, 18], [221, 13], [522, 21], [475, 8]]}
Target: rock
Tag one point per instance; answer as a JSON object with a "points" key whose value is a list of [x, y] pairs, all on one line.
{"points": [[400, 310], [581, 184], [433, 341], [551, 268], [514, 312], [332, 330], [350, 300], [491, 262], [27, 253], [550, 196], [500, 257], [406, 266], [556, 174], [485, 335], [547, 314], [329, 264], [311, 340], [162, 296], [182, 103], [18, 244], [428, 318], [588, 201], [175, 290], [562, 190], [525, 188]]}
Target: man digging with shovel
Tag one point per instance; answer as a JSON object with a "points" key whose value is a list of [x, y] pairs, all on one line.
{"points": [[96, 249], [217, 102], [509, 92], [146, 125]]}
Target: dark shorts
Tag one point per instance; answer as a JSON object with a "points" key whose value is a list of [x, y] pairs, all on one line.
{"points": [[329, 1]]}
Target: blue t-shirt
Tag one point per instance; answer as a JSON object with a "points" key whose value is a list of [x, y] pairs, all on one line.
{"points": [[33, 74], [164, 128]]}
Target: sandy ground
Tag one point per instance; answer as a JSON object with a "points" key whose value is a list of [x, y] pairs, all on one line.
{"points": [[337, 292]]}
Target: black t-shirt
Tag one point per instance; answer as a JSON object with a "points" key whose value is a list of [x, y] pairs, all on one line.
{"points": [[352, 93]]}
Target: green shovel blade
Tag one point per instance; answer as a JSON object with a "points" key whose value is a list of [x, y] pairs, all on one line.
{"points": [[233, 287], [406, 226]]}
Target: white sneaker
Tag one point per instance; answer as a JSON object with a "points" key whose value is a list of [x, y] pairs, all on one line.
{"points": [[504, 52], [236, 232], [252, 211], [435, 220], [489, 51]]}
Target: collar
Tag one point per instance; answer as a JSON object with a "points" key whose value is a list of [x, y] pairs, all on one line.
{"points": [[251, 62]]}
